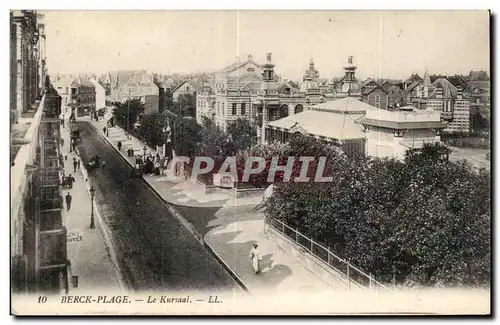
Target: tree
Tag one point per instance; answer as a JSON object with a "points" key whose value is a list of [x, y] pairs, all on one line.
{"points": [[128, 111], [187, 104], [151, 129], [243, 134], [413, 220], [186, 136], [213, 139]]}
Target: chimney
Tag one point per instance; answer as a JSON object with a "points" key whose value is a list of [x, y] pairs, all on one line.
{"points": [[161, 98]]}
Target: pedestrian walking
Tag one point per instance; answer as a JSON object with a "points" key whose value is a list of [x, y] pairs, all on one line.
{"points": [[74, 165], [255, 257], [66, 157], [119, 145], [68, 201], [62, 142], [70, 180], [103, 164], [78, 162], [104, 130], [74, 145]]}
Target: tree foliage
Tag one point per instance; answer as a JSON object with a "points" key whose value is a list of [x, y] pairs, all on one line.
{"points": [[128, 111], [424, 220], [243, 134], [213, 139], [186, 136], [151, 128], [185, 105]]}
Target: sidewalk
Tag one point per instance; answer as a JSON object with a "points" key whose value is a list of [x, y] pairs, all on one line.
{"points": [[232, 243], [235, 227], [86, 247]]}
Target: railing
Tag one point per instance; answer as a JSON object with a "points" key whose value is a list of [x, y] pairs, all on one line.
{"points": [[352, 273]]}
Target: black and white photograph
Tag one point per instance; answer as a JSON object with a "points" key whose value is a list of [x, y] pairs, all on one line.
{"points": [[250, 162]]}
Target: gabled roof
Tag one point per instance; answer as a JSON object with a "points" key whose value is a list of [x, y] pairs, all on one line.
{"points": [[392, 82], [368, 81], [414, 84], [370, 90], [196, 85], [413, 78], [478, 75], [449, 91], [236, 65]]}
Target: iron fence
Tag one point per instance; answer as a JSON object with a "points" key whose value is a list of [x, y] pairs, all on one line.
{"points": [[352, 274]]}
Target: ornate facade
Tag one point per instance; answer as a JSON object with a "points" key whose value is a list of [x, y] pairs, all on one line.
{"points": [[27, 60], [254, 91]]}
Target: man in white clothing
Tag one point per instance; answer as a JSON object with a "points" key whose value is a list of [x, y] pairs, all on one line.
{"points": [[256, 257]]}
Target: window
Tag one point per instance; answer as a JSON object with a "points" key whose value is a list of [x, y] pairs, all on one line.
{"points": [[243, 107], [187, 88], [234, 109]]}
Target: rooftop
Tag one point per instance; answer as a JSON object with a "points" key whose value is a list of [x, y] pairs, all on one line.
{"points": [[346, 105], [327, 124]]}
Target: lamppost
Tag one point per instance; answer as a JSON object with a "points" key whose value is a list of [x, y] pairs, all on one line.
{"points": [[144, 152], [92, 192]]}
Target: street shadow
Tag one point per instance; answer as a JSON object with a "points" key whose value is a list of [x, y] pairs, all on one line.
{"points": [[205, 219], [236, 255]]}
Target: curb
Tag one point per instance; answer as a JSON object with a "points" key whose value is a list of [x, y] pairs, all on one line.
{"points": [[107, 238], [185, 223]]}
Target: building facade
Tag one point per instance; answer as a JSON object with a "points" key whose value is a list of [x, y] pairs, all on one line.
{"points": [[100, 94], [82, 96], [391, 133], [349, 85], [191, 87], [38, 236], [376, 96], [453, 105], [253, 91], [333, 121], [27, 60], [125, 85]]}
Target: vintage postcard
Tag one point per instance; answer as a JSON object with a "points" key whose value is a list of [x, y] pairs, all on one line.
{"points": [[250, 162]]}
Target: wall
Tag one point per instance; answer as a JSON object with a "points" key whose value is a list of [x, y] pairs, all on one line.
{"points": [[100, 96], [377, 98], [461, 117]]}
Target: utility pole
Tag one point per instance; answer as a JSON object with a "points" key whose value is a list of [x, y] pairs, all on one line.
{"points": [[128, 114]]}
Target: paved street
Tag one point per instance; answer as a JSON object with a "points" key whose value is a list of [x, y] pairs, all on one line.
{"points": [[475, 157], [155, 251]]}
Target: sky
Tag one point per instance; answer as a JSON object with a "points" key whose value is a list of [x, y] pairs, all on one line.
{"points": [[390, 44]]}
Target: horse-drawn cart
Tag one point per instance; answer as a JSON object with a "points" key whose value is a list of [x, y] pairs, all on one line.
{"points": [[93, 163], [76, 134]]}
